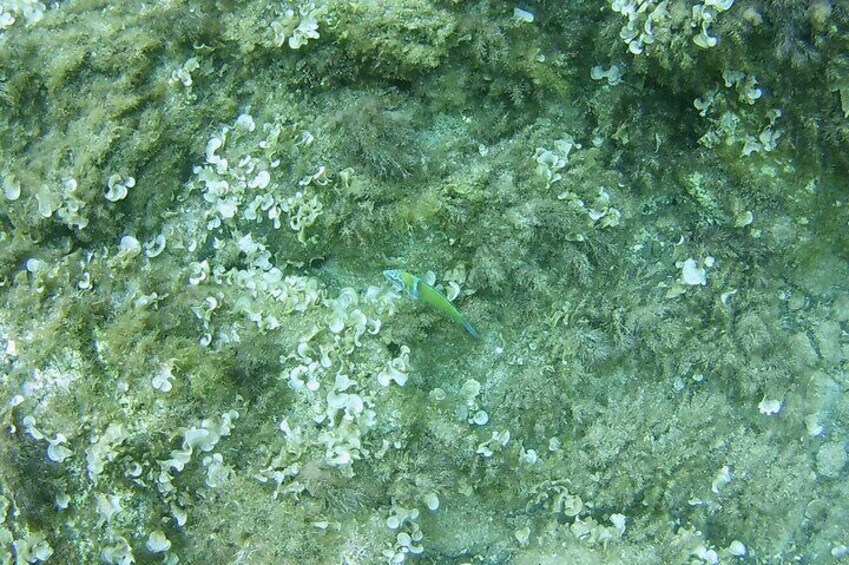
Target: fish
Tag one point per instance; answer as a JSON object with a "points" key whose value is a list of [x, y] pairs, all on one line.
{"points": [[416, 288]]}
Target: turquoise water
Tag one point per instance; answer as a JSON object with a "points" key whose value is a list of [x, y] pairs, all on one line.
{"points": [[640, 207]]}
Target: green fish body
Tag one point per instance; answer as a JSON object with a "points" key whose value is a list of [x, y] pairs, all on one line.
{"points": [[420, 290]]}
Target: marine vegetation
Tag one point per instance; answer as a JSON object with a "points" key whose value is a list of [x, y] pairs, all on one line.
{"points": [[641, 205]]}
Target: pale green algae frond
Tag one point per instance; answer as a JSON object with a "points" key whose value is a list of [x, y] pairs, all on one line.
{"points": [[641, 204]]}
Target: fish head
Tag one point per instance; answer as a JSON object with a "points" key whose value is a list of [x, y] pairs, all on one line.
{"points": [[394, 277]]}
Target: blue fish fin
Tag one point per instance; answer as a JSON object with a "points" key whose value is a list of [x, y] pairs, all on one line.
{"points": [[414, 288], [470, 329]]}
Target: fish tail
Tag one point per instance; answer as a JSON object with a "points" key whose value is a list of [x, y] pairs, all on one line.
{"points": [[470, 328]]}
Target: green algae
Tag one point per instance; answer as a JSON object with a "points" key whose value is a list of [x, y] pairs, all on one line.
{"points": [[413, 134]]}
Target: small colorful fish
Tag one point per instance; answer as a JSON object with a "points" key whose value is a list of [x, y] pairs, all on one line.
{"points": [[417, 288]]}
